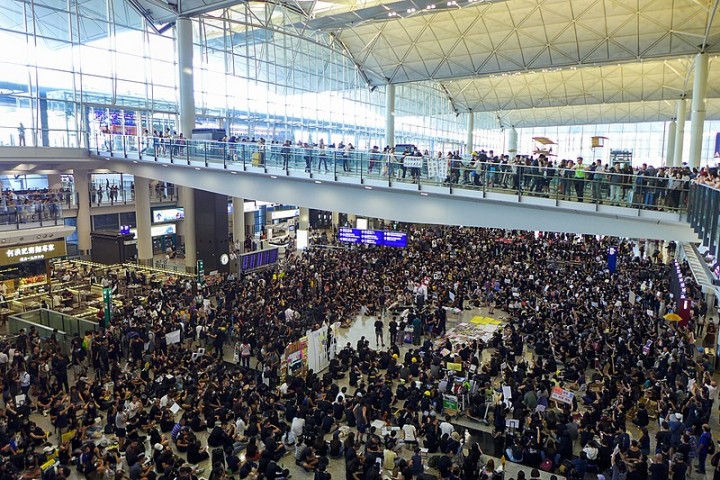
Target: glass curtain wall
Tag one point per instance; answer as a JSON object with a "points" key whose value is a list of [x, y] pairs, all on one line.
{"points": [[647, 141]]}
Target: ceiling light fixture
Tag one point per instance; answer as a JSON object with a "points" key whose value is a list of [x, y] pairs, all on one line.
{"points": [[318, 181], [273, 176], [197, 168], [368, 188], [423, 194], [411, 10]]}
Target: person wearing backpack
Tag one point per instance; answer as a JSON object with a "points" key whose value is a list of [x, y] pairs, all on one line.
{"points": [[706, 446]]}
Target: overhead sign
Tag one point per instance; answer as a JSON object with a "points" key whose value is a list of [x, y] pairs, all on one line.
{"points": [[373, 237], [163, 215], [158, 230], [259, 259], [32, 252], [280, 214]]}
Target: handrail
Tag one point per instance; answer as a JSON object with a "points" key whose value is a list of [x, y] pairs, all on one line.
{"points": [[638, 191]]}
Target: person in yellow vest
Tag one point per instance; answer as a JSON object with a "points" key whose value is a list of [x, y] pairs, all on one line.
{"points": [[580, 169]]}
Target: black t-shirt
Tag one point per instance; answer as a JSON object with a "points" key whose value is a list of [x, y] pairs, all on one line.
{"points": [[659, 471], [679, 471], [444, 466], [378, 325], [327, 423]]}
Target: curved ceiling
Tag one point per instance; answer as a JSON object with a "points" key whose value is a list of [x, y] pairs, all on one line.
{"points": [[536, 62], [468, 38]]}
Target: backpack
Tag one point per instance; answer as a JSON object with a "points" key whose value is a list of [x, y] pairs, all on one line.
{"points": [[711, 447], [715, 459]]}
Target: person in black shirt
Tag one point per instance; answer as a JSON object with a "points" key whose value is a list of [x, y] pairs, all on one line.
{"points": [[659, 468], [678, 467], [379, 332], [444, 465], [393, 328]]}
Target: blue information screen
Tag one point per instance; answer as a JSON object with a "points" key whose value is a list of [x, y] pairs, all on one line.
{"points": [[263, 258], [372, 237], [395, 239]]}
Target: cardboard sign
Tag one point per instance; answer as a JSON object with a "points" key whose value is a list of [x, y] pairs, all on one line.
{"points": [[561, 395], [172, 337]]}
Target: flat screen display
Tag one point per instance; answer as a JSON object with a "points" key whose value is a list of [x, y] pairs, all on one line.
{"points": [[163, 215], [373, 237], [254, 260]]}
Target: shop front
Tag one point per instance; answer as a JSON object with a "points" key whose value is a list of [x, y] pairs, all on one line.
{"points": [[24, 268]]}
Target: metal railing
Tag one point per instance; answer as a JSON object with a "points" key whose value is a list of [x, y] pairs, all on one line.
{"points": [[21, 215], [637, 191], [704, 217]]}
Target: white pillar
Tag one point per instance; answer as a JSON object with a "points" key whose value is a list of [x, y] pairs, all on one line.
{"points": [[82, 187], [390, 115], [238, 206], [680, 132], [143, 220], [304, 219], [335, 219], [184, 36], [54, 181], [187, 199], [698, 109], [512, 141], [470, 130], [670, 145]]}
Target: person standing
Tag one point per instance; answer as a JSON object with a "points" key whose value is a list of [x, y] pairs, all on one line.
{"points": [[379, 332], [705, 443], [417, 329], [21, 135], [245, 352], [393, 328], [580, 179]]}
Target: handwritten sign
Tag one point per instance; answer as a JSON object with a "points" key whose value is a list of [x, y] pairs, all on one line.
{"points": [[561, 395]]}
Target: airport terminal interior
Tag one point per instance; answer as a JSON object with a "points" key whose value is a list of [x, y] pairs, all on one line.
{"points": [[360, 240]]}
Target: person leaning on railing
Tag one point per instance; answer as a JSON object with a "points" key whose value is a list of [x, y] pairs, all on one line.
{"points": [[708, 177]]}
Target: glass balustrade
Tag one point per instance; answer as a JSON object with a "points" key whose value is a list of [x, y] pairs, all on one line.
{"points": [[561, 185]]}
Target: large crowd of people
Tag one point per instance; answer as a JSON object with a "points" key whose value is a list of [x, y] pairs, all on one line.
{"points": [[614, 182], [122, 402], [33, 205]]}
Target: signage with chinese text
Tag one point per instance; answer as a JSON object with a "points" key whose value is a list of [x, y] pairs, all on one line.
{"points": [[32, 252]]}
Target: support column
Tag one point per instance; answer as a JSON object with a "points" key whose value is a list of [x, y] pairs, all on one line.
{"points": [[187, 198], [238, 205], [143, 220], [54, 181], [44, 125], [335, 219], [304, 219], [82, 187], [698, 109], [470, 130], [680, 132], [670, 147], [184, 35], [512, 141], [390, 115]]}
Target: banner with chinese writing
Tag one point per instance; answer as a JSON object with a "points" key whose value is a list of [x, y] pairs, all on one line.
{"points": [[15, 254]]}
